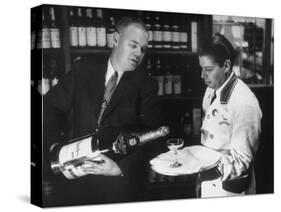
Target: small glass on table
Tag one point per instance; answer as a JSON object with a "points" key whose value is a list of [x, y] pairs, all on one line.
{"points": [[174, 144]]}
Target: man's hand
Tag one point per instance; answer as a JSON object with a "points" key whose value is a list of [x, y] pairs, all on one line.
{"points": [[108, 167]]}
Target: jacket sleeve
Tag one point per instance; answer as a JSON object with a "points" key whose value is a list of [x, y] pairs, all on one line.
{"points": [[244, 141], [133, 165], [150, 107], [60, 97]]}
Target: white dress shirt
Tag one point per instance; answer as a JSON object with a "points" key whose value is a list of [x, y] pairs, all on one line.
{"points": [[110, 71]]}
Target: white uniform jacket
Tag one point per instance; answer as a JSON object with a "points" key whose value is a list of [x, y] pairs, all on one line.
{"points": [[231, 125]]}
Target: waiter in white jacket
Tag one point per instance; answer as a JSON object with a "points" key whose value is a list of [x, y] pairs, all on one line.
{"points": [[231, 121]]}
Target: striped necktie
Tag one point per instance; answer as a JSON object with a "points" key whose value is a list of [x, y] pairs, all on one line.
{"points": [[109, 89]]}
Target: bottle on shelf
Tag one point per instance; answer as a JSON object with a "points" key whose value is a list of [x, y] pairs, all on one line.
{"points": [[167, 34], [68, 159], [82, 37], [73, 29], [187, 124], [53, 72], [194, 36], [91, 30], [160, 78], [110, 32], [168, 81], [196, 119], [183, 33], [101, 30], [148, 25], [148, 67], [175, 35], [54, 30], [177, 81], [157, 33], [33, 30], [43, 39]]}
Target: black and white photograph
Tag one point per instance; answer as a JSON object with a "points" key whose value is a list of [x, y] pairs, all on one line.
{"points": [[143, 105]]}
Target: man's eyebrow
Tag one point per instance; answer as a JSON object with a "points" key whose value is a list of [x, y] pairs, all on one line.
{"points": [[135, 42], [208, 66]]}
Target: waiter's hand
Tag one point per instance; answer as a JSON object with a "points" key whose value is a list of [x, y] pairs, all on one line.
{"points": [[107, 167]]}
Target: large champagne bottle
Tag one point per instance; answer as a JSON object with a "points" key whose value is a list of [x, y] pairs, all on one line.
{"points": [[68, 159]]}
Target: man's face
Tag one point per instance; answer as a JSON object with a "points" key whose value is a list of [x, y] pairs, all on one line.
{"points": [[130, 46], [213, 75]]}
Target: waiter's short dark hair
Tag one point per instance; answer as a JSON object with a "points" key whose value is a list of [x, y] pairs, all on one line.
{"points": [[127, 21], [219, 48]]}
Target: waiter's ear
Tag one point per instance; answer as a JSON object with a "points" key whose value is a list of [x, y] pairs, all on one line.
{"points": [[227, 65], [116, 37]]}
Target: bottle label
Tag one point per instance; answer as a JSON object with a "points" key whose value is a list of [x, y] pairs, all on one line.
{"points": [[183, 37], [46, 41], [75, 150], [33, 39], [176, 37], [43, 86], [91, 36], [55, 37], [157, 36], [101, 37], [160, 80], [110, 39], [39, 40], [167, 36], [177, 84], [73, 33], [168, 84], [82, 36]]}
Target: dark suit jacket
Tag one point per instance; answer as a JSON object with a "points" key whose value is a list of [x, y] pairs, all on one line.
{"points": [[133, 105]]}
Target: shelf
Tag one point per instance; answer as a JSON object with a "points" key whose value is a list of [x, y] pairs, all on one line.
{"points": [[47, 51], [89, 50], [181, 97], [171, 51]]}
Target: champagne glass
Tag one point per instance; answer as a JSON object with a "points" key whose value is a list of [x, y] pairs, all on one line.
{"points": [[174, 144]]}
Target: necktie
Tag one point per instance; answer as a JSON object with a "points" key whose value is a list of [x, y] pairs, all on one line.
{"points": [[213, 97], [109, 89]]}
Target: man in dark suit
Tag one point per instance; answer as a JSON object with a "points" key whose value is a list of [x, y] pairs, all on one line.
{"points": [[131, 103]]}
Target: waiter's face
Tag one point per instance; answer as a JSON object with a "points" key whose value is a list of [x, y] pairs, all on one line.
{"points": [[130, 46], [213, 74]]}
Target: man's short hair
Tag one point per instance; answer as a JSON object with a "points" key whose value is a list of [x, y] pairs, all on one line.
{"points": [[127, 21], [219, 48]]}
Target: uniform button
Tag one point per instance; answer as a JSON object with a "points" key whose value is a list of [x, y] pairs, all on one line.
{"points": [[208, 116], [97, 130], [211, 136]]}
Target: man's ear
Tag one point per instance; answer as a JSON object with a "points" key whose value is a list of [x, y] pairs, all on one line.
{"points": [[227, 65], [116, 37]]}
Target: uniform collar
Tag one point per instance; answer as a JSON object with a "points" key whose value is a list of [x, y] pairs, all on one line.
{"points": [[225, 91]]}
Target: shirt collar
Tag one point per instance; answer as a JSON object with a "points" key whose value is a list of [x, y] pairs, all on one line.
{"points": [[110, 71]]}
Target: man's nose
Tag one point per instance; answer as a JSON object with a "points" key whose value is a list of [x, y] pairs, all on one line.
{"points": [[203, 74], [137, 52]]}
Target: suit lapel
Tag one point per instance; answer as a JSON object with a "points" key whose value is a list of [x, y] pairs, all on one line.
{"points": [[123, 87], [96, 86]]}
